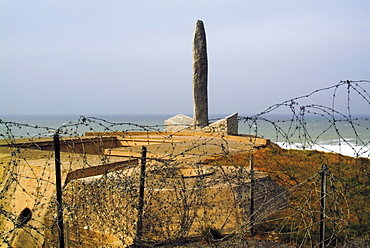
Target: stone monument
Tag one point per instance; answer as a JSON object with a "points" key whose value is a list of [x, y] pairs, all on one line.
{"points": [[200, 76], [200, 122]]}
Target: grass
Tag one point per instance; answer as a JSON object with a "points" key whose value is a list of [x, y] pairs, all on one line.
{"points": [[348, 194]]}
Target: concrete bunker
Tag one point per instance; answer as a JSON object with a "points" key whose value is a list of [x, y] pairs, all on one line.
{"points": [[181, 201]]}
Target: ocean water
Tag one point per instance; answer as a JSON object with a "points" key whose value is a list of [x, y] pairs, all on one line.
{"points": [[348, 136], [339, 134]]}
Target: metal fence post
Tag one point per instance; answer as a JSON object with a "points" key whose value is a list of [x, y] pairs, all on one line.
{"points": [[251, 217], [324, 172], [58, 182], [139, 226]]}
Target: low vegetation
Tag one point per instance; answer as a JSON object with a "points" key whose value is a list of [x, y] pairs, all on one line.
{"points": [[348, 195]]}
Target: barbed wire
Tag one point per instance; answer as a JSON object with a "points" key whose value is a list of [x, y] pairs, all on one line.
{"points": [[199, 187]]}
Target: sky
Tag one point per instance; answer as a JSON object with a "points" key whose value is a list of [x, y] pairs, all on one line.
{"points": [[135, 57]]}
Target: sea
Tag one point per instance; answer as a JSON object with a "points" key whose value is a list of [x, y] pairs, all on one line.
{"points": [[346, 135]]}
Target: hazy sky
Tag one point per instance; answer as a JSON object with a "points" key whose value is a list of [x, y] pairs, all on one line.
{"points": [[135, 57]]}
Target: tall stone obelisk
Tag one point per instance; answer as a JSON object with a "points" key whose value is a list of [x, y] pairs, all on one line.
{"points": [[200, 76]]}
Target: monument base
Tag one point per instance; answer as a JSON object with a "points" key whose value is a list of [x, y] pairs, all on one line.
{"points": [[180, 122]]}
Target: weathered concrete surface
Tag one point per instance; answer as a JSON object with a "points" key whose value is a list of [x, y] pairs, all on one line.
{"points": [[33, 187], [180, 201], [178, 123], [187, 145], [228, 125], [101, 153], [200, 76]]}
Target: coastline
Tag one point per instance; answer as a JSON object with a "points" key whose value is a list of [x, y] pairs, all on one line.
{"points": [[350, 139]]}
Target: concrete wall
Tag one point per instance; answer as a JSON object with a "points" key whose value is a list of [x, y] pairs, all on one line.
{"points": [[175, 207], [227, 125]]}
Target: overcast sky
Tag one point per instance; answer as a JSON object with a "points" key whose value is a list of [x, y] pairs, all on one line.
{"points": [[135, 57]]}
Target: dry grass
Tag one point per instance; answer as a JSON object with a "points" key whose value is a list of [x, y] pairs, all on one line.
{"points": [[348, 198]]}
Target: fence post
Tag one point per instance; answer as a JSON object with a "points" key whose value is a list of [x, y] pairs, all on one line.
{"points": [[58, 182], [139, 226], [251, 212], [324, 172]]}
